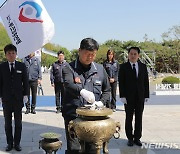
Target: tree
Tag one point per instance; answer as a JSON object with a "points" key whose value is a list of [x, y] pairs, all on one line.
{"points": [[4, 38], [127, 44], [171, 40], [117, 47], [101, 54], [172, 34], [74, 54], [47, 60]]}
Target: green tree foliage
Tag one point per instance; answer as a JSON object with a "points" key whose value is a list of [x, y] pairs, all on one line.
{"points": [[74, 54], [127, 44], [171, 40], [56, 48], [171, 80], [167, 52], [117, 47], [168, 57], [4, 38], [101, 54], [2, 56], [47, 60]]}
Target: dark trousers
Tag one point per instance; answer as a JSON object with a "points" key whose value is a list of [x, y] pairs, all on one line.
{"points": [[134, 108], [33, 87], [73, 145], [59, 92], [7, 111], [113, 94], [112, 103]]}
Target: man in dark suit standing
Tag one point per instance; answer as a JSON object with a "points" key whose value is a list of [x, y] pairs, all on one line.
{"points": [[13, 92], [134, 91]]}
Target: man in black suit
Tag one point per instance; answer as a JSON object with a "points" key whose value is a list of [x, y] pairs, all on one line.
{"points": [[13, 92], [134, 91]]}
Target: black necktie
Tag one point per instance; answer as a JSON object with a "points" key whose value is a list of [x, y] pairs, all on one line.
{"points": [[134, 70], [12, 68]]}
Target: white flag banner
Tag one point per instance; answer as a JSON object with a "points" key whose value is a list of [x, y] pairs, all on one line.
{"points": [[28, 25], [38, 54]]}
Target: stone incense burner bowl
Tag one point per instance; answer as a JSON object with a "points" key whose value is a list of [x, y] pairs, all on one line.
{"points": [[50, 142], [94, 126]]}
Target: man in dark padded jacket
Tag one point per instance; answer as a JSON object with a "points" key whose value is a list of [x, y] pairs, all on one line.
{"points": [[85, 82]]}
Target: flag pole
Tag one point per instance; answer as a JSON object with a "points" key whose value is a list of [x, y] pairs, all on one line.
{"points": [[3, 4]]}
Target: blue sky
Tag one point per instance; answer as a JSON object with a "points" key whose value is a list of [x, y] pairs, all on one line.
{"points": [[110, 19]]}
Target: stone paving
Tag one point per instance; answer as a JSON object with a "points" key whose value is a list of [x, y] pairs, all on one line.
{"points": [[161, 129]]}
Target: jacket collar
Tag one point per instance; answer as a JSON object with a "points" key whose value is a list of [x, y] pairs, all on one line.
{"points": [[92, 70]]}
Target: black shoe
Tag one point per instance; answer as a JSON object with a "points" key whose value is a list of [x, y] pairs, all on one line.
{"points": [[27, 111], [33, 111], [114, 110], [138, 142], [72, 152], [58, 110], [9, 147], [130, 143], [17, 148]]}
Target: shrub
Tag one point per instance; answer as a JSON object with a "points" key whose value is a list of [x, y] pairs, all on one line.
{"points": [[171, 80]]}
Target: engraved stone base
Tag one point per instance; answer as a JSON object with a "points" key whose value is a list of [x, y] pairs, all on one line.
{"points": [[167, 92]]}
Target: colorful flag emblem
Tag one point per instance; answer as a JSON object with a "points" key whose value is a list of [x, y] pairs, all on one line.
{"points": [[28, 25]]}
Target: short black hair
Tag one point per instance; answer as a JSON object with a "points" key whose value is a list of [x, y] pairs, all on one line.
{"points": [[60, 52], [10, 47], [89, 44], [135, 48]]}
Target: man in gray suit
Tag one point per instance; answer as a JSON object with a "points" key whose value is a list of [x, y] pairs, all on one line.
{"points": [[134, 91], [13, 95]]}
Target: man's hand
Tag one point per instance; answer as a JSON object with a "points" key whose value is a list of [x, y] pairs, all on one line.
{"points": [[123, 100], [146, 100], [111, 80], [39, 81], [52, 85], [98, 104], [25, 99], [87, 95], [77, 80]]}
